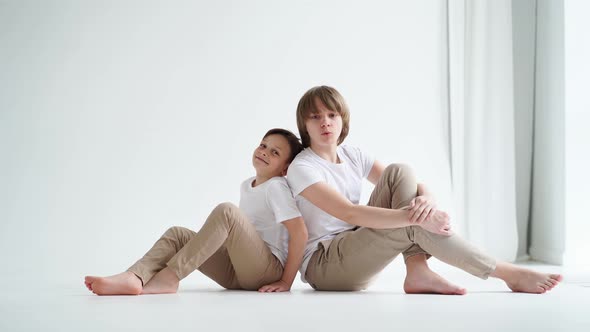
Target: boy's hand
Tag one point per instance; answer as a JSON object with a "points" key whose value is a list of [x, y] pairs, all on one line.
{"points": [[440, 223], [421, 208], [277, 286]]}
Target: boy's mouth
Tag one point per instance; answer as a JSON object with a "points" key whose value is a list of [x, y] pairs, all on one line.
{"points": [[264, 161]]}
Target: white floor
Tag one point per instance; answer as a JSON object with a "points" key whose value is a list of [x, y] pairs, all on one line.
{"points": [[200, 305]]}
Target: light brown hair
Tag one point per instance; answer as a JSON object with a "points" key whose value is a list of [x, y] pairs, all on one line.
{"points": [[332, 99]]}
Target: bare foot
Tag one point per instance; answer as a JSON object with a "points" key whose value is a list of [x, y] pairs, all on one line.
{"points": [[420, 279], [428, 282], [164, 282], [524, 280], [125, 283]]}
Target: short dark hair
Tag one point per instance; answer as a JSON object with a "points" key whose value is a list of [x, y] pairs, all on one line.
{"points": [[293, 141]]}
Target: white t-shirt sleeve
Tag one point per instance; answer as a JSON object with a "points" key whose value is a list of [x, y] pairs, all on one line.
{"points": [[367, 162], [280, 199], [360, 159], [301, 176]]}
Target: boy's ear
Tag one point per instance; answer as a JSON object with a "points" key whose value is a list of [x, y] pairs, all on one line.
{"points": [[284, 173]]}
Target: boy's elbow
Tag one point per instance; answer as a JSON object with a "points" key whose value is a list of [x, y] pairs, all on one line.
{"points": [[303, 231], [348, 214], [304, 234], [297, 229]]}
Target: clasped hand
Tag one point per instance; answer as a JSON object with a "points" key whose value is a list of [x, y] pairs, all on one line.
{"points": [[423, 213]]}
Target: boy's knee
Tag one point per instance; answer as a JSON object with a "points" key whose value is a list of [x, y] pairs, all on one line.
{"points": [[400, 172], [225, 208], [401, 168], [175, 230], [228, 212]]}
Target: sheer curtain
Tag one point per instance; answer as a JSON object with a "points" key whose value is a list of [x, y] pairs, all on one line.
{"points": [[547, 240], [506, 115], [481, 111]]}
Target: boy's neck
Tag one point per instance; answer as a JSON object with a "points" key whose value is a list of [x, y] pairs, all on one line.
{"points": [[259, 180], [328, 153]]}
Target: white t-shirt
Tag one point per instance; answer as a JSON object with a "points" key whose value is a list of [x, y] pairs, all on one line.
{"points": [[267, 205], [346, 177]]}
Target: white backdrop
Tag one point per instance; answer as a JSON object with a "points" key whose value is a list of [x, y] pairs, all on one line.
{"points": [[577, 137], [118, 120]]}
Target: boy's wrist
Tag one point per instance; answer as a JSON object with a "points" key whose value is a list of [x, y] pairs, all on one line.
{"points": [[287, 284]]}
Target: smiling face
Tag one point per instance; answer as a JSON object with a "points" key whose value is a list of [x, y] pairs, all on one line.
{"points": [[324, 127], [271, 157]]}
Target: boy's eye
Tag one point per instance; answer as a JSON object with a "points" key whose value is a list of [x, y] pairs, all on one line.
{"points": [[332, 115], [315, 116], [262, 145], [275, 153]]}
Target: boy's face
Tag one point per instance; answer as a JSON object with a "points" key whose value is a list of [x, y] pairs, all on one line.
{"points": [[270, 157], [324, 128]]}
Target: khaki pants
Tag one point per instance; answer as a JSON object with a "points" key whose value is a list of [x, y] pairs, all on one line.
{"points": [[227, 249], [353, 258]]}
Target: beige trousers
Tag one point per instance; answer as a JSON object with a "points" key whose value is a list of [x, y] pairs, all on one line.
{"points": [[353, 258], [227, 249]]}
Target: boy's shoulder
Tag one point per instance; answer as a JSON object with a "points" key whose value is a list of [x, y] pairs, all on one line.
{"points": [[274, 181], [278, 180], [349, 149], [247, 182], [306, 154], [277, 186]]}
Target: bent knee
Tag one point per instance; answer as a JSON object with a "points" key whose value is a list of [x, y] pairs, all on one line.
{"points": [[226, 212], [400, 172], [403, 168], [225, 207], [176, 230]]}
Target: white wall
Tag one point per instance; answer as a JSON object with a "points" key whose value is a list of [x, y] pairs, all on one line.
{"points": [[577, 136], [119, 119]]}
